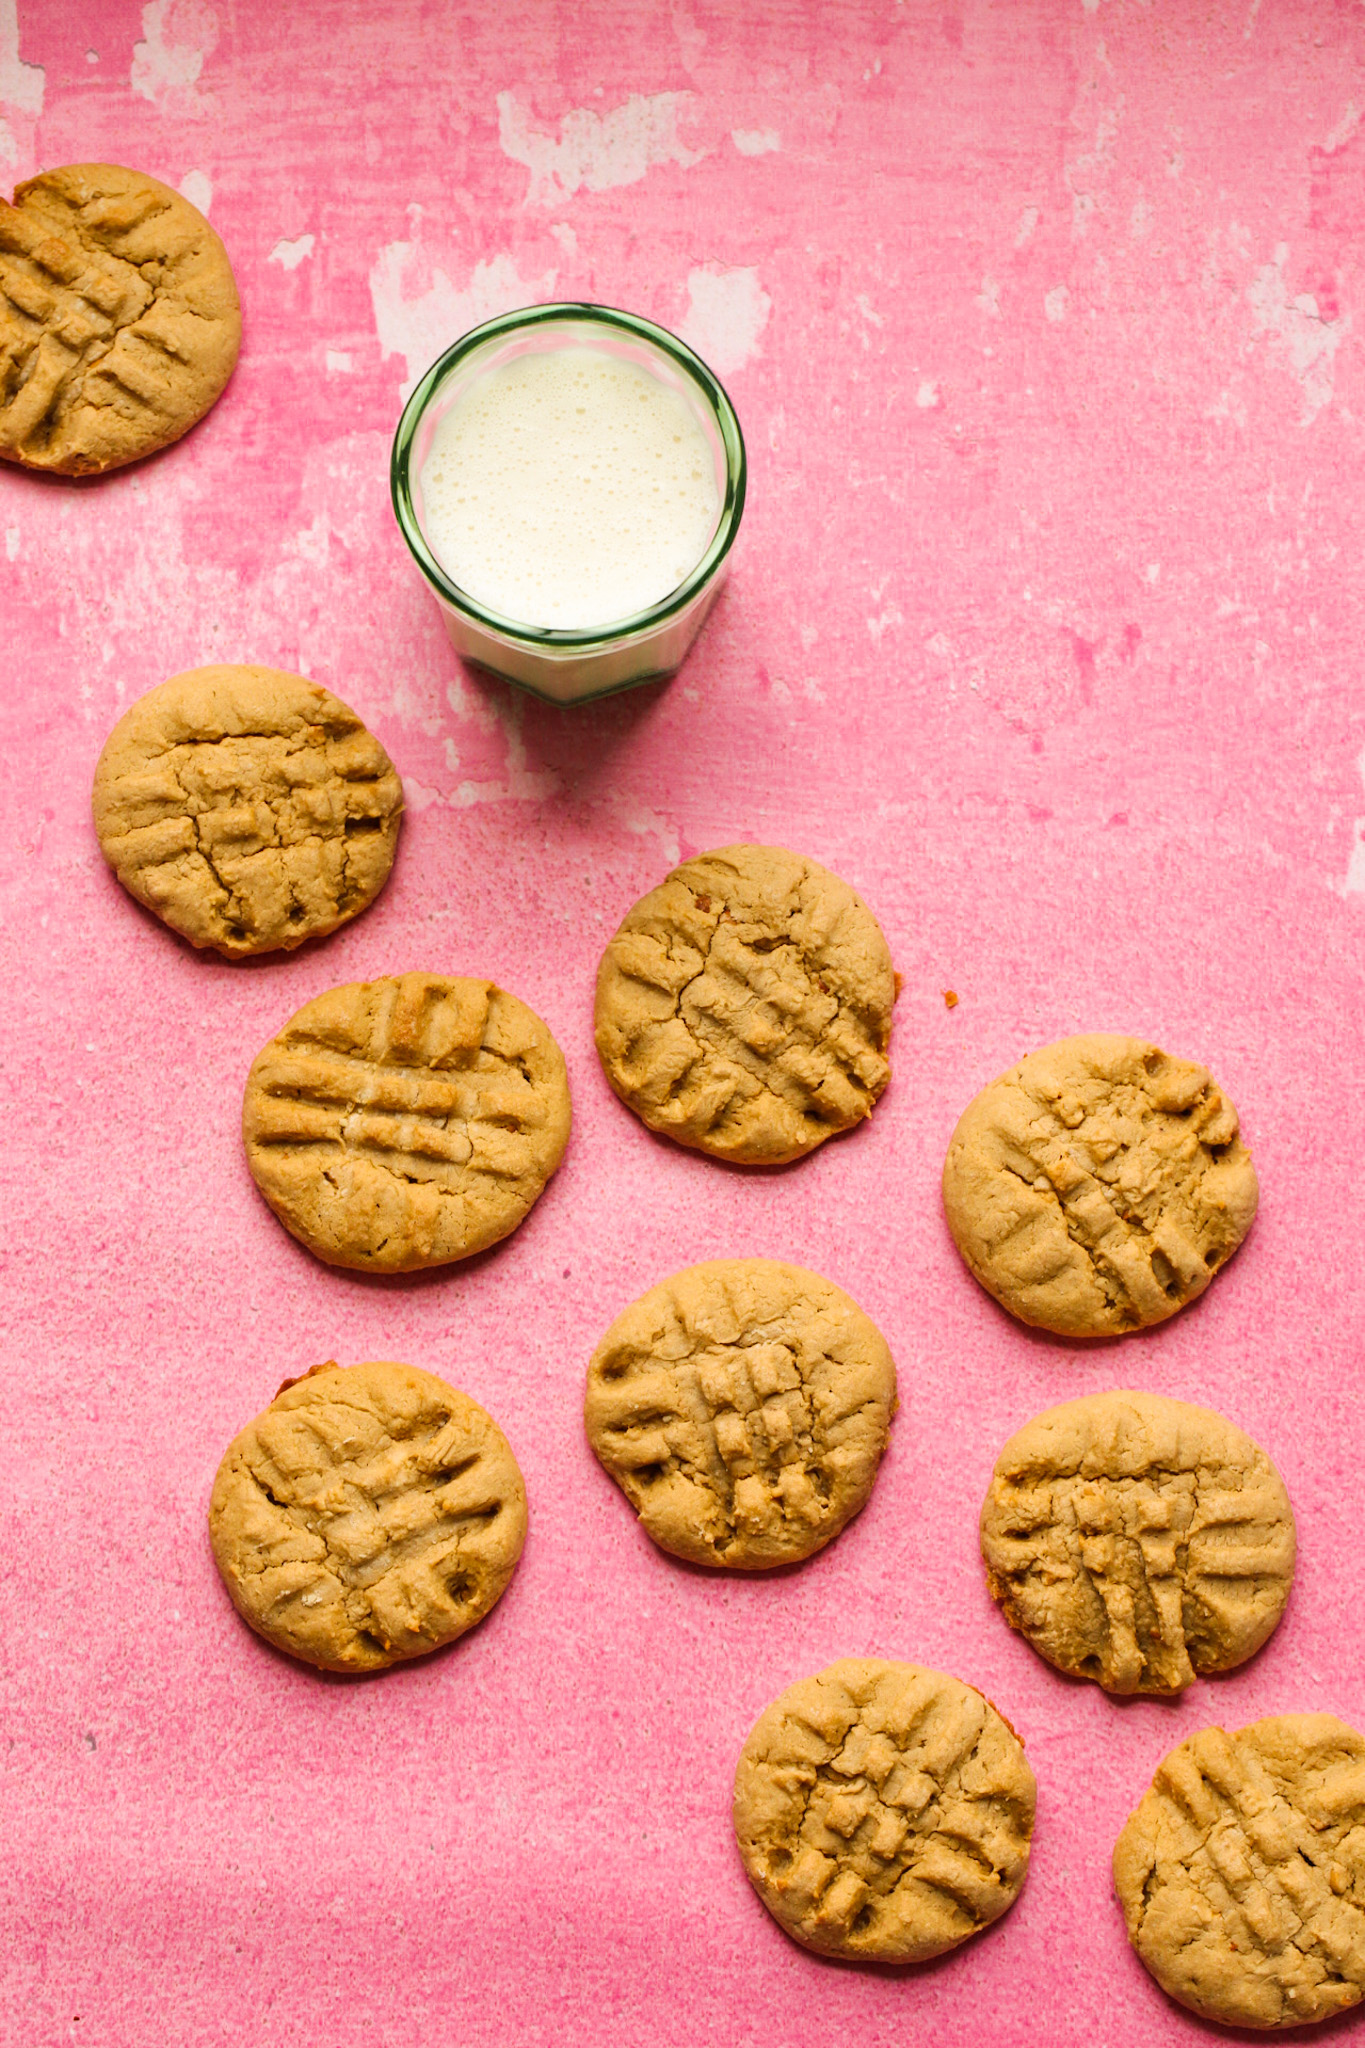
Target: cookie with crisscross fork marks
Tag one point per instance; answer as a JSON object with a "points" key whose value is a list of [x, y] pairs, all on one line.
{"points": [[249, 808], [1242, 1872], [371, 1514], [1098, 1186], [742, 1406], [1138, 1541], [883, 1811], [119, 322], [403, 1123], [744, 1006]]}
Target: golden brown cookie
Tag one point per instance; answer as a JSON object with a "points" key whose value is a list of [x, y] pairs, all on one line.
{"points": [[249, 808], [119, 322], [883, 1811], [744, 1006], [1242, 1872], [407, 1122], [371, 1514], [742, 1407], [1137, 1541], [1098, 1186]]}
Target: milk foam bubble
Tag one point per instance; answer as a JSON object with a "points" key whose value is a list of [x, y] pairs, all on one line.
{"points": [[569, 489]]}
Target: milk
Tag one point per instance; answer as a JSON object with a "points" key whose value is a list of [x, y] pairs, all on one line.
{"points": [[569, 489]]}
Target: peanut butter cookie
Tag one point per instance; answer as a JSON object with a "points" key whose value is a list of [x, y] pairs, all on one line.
{"points": [[404, 1123], [1098, 1186], [371, 1514], [744, 1006], [119, 323], [249, 808], [883, 1811], [1138, 1541], [1242, 1872], [742, 1407]]}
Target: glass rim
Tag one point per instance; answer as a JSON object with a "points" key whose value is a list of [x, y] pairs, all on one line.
{"points": [[727, 526]]}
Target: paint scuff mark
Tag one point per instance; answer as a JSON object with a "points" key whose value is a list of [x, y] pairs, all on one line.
{"points": [[419, 311], [178, 36], [727, 312], [595, 151], [1354, 884], [1299, 332], [197, 187], [1056, 303], [755, 141], [21, 85], [289, 255]]}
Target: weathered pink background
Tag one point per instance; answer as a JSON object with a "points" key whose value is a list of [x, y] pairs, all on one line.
{"points": [[1044, 319]]}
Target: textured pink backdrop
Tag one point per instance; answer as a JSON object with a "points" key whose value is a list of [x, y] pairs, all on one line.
{"points": [[1044, 319]]}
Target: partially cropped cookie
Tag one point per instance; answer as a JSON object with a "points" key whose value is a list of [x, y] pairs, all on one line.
{"points": [[407, 1122], [883, 1811], [742, 1407], [370, 1514], [249, 808], [744, 1006], [1098, 1186], [1242, 1872], [1138, 1541], [119, 322]]}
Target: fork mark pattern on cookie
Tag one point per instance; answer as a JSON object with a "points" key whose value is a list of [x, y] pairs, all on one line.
{"points": [[1242, 1873], [884, 1810], [92, 333]]}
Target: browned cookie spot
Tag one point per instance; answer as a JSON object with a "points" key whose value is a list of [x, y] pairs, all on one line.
{"points": [[370, 1514], [744, 1006], [1242, 1872], [119, 321], [742, 1406], [883, 1811]]}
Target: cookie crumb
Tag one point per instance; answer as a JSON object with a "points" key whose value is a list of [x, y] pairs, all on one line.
{"points": [[950, 999]]}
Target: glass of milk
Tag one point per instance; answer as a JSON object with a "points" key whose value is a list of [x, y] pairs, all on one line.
{"points": [[570, 481]]}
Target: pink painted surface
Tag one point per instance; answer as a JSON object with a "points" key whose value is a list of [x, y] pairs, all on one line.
{"points": [[1044, 321]]}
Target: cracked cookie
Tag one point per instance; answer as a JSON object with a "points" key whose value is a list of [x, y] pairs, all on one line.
{"points": [[250, 809], [883, 1811], [1138, 1541], [1242, 1872], [744, 1006], [1098, 1186], [407, 1122], [119, 322], [742, 1407], [371, 1514]]}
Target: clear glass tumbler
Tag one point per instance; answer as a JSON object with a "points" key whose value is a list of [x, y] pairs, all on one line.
{"points": [[571, 667]]}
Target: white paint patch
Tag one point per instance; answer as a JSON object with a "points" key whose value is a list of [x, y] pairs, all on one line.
{"points": [[179, 35], [638, 818], [289, 255], [1345, 128], [988, 298], [596, 151], [9, 148], [1151, 573], [727, 312], [197, 187], [21, 85], [1298, 332], [1056, 303], [11, 543], [755, 141], [1028, 221], [421, 326], [339, 359], [1354, 884], [927, 394]]}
